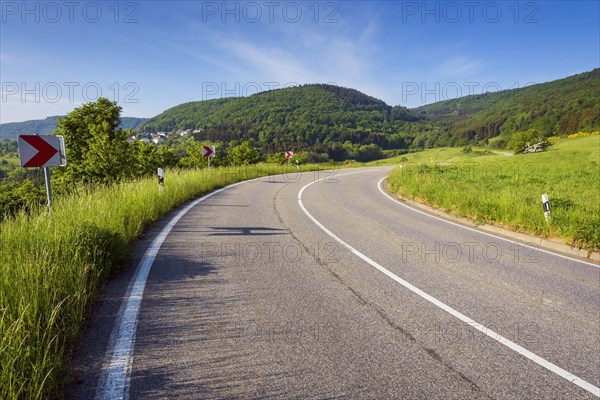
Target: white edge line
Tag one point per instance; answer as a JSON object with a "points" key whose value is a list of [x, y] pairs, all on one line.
{"points": [[116, 370], [379, 185], [499, 338]]}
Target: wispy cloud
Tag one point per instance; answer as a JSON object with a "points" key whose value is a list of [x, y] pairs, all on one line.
{"points": [[459, 66], [270, 63]]}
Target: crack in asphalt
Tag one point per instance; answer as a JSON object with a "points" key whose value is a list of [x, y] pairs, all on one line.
{"points": [[381, 313]]}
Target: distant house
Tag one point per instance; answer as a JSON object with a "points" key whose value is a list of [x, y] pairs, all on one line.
{"points": [[131, 139], [159, 137]]}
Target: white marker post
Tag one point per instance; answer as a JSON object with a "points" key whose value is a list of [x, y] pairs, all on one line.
{"points": [[546, 205], [161, 180]]}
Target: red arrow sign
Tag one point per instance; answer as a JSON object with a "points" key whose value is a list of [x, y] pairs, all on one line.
{"points": [[288, 154], [38, 151], [208, 151]]}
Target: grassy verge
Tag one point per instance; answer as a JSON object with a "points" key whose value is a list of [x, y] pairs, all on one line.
{"points": [[506, 190], [51, 265]]}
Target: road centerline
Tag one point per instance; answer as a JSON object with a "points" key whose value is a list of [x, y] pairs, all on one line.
{"points": [[492, 334]]}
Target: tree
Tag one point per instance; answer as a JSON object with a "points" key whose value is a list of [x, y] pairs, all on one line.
{"points": [[521, 140], [244, 154], [369, 152], [97, 149]]}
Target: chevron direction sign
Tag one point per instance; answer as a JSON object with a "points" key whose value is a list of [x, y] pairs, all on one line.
{"points": [[42, 151], [288, 154], [208, 151]]}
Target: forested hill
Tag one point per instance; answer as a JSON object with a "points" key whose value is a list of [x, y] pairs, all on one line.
{"points": [[305, 117], [321, 118], [46, 126], [554, 108]]}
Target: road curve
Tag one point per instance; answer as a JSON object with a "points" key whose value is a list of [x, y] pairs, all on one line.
{"points": [[259, 292]]}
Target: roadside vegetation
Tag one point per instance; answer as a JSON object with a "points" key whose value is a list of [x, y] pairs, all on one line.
{"points": [[52, 263], [493, 187]]}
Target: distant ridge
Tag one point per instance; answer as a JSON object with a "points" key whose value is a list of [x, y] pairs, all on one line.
{"points": [[46, 126], [558, 107], [307, 117], [322, 117]]}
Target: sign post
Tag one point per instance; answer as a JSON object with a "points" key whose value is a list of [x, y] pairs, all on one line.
{"points": [[48, 188], [208, 152], [288, 155], [44, 151]]}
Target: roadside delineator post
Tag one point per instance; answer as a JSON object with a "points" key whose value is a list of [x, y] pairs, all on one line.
{"points": [[546, 205], [161, 180]]}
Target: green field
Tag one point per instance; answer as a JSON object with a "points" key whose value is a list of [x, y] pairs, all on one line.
{"points": [[51, 265], [506, 190]]}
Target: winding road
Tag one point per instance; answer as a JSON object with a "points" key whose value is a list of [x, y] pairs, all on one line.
{"points": [[322, 285]]}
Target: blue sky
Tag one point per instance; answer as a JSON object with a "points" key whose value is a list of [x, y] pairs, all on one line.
{"points": [[153, 55]]}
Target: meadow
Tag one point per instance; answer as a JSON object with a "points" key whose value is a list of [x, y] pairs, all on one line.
{"points": [[53, 263], [506, 190]]}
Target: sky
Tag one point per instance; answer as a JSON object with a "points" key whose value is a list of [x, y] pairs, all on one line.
{"points": [[153, 55]]}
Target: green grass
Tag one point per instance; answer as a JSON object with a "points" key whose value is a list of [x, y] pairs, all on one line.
{"points": [[494, 188], [51, 265]]}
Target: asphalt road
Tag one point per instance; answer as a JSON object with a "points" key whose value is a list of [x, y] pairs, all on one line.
{"points": [[342, 293]]}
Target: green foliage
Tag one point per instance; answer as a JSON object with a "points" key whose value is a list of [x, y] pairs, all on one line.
{"points": [[8, 147], [147, 158], [17, 196], [304, 118], [368, 152], [520, 140], [555, 108], [53, 263], [244, 154], [507, 190], [97, 150]]}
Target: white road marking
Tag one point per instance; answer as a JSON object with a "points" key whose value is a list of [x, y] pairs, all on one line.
{"points": [[379, 185], [501, 339], [116, 372]]}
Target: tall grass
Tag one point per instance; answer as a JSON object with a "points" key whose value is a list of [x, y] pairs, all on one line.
{"points": [[51, 265], [507, 190]]}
